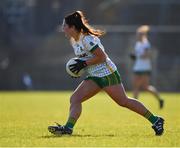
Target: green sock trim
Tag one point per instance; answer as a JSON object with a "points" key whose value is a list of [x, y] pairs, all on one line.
{"points": [[71, 122], [148, 115]]}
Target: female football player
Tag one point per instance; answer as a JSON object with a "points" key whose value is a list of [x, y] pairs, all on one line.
{"points": [[142, 65], [102, 74]]}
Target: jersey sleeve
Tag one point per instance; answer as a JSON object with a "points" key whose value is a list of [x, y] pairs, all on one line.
{"points": [[90, 43]]}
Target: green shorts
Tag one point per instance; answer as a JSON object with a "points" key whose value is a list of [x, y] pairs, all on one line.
{"points": [[108, 80]]}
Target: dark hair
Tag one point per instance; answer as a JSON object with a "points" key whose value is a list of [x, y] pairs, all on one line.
{"points": [[78, 20]]}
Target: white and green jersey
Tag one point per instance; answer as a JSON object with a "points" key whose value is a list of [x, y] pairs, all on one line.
{"points": [[142, 64], [83, 49]]}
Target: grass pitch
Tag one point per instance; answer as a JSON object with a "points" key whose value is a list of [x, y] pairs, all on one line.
{"points": [[25, 116]]}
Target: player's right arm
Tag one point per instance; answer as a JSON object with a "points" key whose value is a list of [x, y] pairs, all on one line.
{"points": [[99, 57], [92, 44]]}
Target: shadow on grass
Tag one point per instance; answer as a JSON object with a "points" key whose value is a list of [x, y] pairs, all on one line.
{"points": [[78, 135]]}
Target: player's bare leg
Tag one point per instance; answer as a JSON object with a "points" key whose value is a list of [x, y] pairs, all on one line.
{"points": [[152, 90], [84, 91], [117, 93], [136, 86]]}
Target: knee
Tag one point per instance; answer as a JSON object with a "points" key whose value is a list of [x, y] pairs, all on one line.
{"points": [[74, 99], [124, 102]]}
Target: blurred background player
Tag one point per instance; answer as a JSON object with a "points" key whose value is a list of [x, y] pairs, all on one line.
{"points": [[142, 65], [102, 74]]}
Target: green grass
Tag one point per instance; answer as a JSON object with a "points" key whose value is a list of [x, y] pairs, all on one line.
{"points": [[24, 117]]}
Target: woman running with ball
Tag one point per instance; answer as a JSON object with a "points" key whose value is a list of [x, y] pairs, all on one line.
{"points": [[102, 74]]}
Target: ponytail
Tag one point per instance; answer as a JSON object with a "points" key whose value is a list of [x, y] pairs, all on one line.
{"points": [[78, 20]]}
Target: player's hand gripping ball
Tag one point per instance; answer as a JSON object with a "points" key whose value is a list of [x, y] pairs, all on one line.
{"points": [[75, 67]]}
